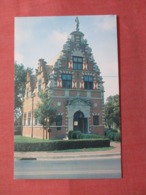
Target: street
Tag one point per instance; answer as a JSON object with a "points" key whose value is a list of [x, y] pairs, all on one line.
{"points": [[69, 168]]}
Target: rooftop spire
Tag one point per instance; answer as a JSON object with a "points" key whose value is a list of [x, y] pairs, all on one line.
{"points": [[77, 24]]}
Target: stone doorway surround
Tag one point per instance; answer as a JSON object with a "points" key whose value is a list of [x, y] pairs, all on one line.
{"points": [[74, 105]]}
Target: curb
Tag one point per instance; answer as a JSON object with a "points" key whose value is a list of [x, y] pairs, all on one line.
{"points": [[66, 157]]}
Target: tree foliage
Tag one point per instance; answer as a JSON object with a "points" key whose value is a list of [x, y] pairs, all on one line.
{"points": [[46, 111], [112, 112], [20, 81]]}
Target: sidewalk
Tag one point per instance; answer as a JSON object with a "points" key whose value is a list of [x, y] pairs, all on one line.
{"points": [[60, 155]]}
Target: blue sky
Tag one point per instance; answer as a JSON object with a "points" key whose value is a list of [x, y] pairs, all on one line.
{"points": [[43, 37]]}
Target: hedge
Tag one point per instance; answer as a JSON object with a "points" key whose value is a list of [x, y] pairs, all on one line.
{"points": [[61, 145], [79, 135]]}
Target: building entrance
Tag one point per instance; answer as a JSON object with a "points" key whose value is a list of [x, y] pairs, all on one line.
{"points": [[80, 122]]}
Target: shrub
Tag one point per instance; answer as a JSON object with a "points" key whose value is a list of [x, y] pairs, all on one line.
{"points": [[61, 145], [74, 134], [70, 134], [90, 136], [79, 135], [113, 135], [117, 137]]}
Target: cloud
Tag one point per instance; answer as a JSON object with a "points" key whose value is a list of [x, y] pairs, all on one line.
{"points": [[58, 37], [111, 87], [19, 58], [107, 22]]}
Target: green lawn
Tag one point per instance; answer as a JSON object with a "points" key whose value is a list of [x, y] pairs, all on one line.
{"points": [[22, 139]]}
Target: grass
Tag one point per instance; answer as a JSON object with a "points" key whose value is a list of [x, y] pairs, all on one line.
{"points": [[22, 139]]}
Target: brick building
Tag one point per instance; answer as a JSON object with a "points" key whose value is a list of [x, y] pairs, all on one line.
{"points": [[75, 84]]}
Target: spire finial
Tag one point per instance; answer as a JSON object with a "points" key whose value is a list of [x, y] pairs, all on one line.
{"points": [[77, 23]]}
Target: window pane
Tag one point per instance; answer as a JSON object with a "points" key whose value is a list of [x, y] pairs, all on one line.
{"points": [[79, 66], [59, 120], [63, 76], [68, 84], [77, 63], [90, 78], [69, 77], [66, 77], [95, 120], [85, 78], [66, 80], [80, 59], [75, 59]]}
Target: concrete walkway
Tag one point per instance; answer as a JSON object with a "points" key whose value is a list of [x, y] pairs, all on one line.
{"points": [[60, 155]]}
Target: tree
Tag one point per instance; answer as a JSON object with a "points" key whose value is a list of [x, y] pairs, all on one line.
{"points": [[112, 112], [20, 81], [46, 111]]}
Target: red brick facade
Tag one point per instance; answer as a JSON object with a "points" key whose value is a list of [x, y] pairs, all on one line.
{"points": [[75, 84]]}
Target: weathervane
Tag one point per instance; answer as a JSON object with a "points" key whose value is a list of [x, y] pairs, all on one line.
{"points": [[77, 23]]}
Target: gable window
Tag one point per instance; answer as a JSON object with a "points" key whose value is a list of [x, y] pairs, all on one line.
{"points": [[58, 120], [96, 120], [77, 63], [29, 118], [24, 119], [66, 80], [88, 82]]}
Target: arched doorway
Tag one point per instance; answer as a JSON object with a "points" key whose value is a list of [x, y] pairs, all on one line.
{"points": [[80, 122]]}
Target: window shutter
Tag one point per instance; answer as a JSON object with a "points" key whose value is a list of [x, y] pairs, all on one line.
{"points": [[59, 83], [84, 66], [95, 85], [82, 85], [74, 84], [70, 65]]}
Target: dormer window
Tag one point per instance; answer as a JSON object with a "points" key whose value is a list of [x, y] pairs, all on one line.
{"points": [[77, 63]]}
